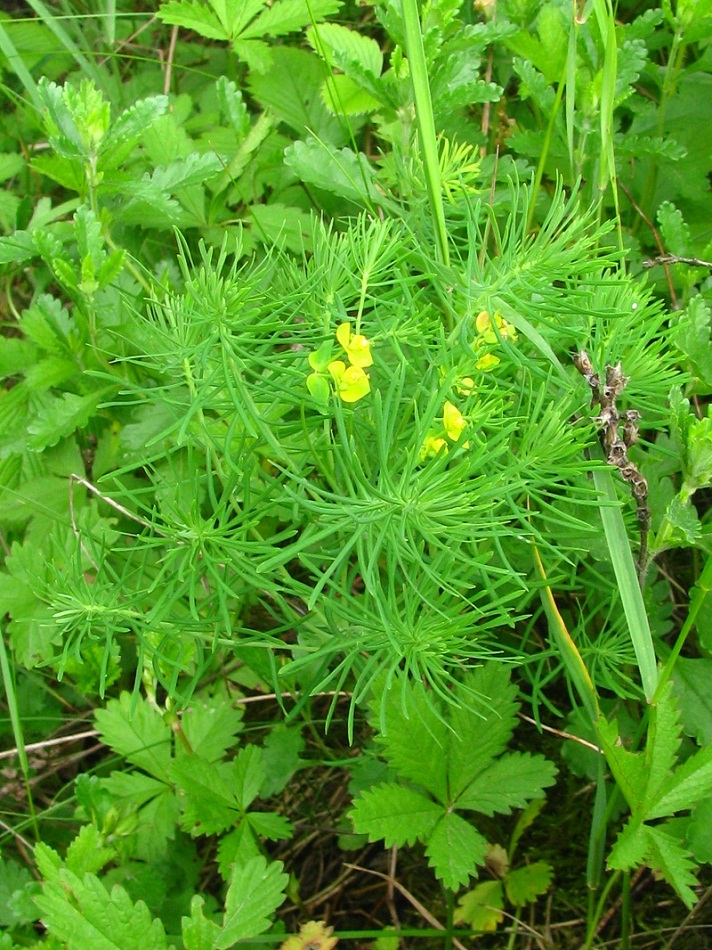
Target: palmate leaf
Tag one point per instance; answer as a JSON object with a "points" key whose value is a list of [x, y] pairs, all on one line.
{"points": [[82, 913], [655, 789], [456, 752]]}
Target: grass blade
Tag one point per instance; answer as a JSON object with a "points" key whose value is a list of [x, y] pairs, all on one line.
{"points": [[426, 124]]}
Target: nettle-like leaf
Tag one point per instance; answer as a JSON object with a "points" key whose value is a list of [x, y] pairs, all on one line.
{"points": [[246, 25], [456, 755], [82, 913], [256, 890], [656, 788]]}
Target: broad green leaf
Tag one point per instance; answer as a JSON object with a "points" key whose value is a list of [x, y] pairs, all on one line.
{"points": [[61, 417], [269, 825], [131, 124], [509, 782], [256, 890], [292, 90], [663, 742], [87, 852], [197, 931], [281, 757], [455, 849], [206, 794], [673, 861], [398, 815], [193, 16], [691, 782], [525, 884], [211, 725], [134, 729], [674, 232], [17, 248], [80, 912], [699, 832], [13, 878], [629, 768], [329, 39], [248, 774], [482, 907], [481, 725], [287, 16], [340, 171], [630, 849], [691, 684], [195, 169], [416, 738]]}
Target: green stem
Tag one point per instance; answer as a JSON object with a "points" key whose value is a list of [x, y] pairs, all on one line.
{"points": [[17, 732], [426, 124]]}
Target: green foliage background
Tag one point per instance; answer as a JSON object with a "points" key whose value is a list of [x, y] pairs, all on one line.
{"points": [[204, 510]]}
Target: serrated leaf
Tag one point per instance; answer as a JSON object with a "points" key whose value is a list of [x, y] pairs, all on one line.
{"points": [[508, 783], [664, 737], [628, 767], [281, 756], [482, 907], [248, 774], [62, 416], [197, 931], [673, 861], [19, 247], [255, 892], [454, 850], [13, 878], [292, 90], [482, 725], [211, 726], [674, 231], [269, 825], [691, 334], [194, 169], [134, 729], [525, 884], [339, 171], [331, 39], [691, 683], [287, 16], [415, 739], [87, 852], [398, 815], [131, 124], [83, 914], [192, 16], [206, 794], [690, 783]]}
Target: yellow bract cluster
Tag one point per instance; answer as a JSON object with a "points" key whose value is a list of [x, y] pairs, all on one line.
{"points": [[352, 382], [491, 330], [453, 426]]}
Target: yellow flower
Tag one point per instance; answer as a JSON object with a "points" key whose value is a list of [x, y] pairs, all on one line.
{"points": [[453, 421], [431, 447], [487, 362], [351, 381], [357, 347], [486, 328], [466, 386]]}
